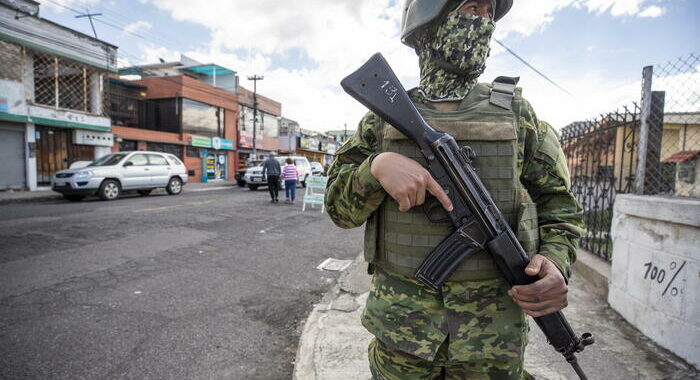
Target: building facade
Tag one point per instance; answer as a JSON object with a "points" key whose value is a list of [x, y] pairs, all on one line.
{"points": [[317, 146], [185, 108], [51, 96], [261, 134]]}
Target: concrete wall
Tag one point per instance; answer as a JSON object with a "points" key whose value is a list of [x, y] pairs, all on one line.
{"points": [[46, 36], [655, 270]]}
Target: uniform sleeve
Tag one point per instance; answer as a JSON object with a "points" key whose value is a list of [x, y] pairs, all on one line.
{"points": [[352, 193], [546, 177]]}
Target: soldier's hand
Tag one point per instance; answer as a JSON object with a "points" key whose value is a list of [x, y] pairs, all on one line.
{"points": [[406, 181], [546, 295]]}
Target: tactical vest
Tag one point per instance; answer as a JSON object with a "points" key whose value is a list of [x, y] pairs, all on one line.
{"points": [[399, 241]]}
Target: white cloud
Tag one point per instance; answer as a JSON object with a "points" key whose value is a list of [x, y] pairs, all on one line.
{"points": [[652, 11], [623, 7], [137, 26], [336, 36]]}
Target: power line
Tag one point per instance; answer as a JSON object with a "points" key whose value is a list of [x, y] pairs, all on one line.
{"points": [[90, 16], [531, 67]]}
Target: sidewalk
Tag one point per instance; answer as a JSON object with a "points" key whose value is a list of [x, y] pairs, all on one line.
{"points": [[46, 194], [333, 345]]}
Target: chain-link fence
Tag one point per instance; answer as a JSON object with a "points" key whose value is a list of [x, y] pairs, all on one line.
{"points": [[671, 137], [650, 147]]}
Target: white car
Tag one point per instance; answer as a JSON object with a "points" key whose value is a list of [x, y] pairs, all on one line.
{"points": [[253, 176], [109, 175]]}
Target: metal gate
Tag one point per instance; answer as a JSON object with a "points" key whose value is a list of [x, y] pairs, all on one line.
{"points": [[12, 174], [602, 157]]}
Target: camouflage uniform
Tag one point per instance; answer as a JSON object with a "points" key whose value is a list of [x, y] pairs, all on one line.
{"points": [[481, 321], [471, 328]]}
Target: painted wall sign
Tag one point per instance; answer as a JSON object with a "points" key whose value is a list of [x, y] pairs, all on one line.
{"points": [[83, 137], [203, 142], [3, 105]]}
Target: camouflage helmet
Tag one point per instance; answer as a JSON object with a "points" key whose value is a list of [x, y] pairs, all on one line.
{"points": [[420, 13]]}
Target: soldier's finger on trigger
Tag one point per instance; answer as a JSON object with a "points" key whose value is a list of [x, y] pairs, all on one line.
{"points": [[420, 194], [435, 189]]}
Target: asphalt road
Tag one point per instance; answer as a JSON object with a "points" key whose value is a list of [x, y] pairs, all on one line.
{"points": [[205, 285]]}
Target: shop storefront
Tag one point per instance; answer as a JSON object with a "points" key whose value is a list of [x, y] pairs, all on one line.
{"points": [[58, 148], [210, 159]]}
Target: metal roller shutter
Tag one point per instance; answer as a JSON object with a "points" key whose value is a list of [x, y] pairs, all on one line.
{"points": [[12, 172]]}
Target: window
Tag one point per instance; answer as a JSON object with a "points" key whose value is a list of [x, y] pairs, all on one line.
{"points": [[175, 160], [193, 151], [138, 160], [62, 83], [108, 160], [11, 61], [157, 159], [127, 145], [270, 124], [202, 119], [160, 115], [173, 149]]}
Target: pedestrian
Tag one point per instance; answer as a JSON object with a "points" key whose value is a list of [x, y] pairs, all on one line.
{"points": [[271, 169], [290, 175], [474, 327]]}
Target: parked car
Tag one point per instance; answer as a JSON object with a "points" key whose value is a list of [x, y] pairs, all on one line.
{"points": [[316, 169], [110, 175], [79, 164], [254, 178], [240, 174]]}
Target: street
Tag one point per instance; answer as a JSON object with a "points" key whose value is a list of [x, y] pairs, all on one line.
{"points": [[205, 285]]}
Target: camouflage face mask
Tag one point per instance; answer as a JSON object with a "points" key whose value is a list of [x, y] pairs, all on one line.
{"points": [[452, 55]]}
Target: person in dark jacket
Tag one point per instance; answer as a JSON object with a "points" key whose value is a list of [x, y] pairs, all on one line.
{"points": [[271, 169]]}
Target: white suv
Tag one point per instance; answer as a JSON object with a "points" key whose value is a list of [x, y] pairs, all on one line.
{"points": [[253, 176], [109, 175]]}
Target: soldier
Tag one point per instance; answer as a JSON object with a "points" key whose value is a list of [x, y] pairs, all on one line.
{"points": [[474, 327]]}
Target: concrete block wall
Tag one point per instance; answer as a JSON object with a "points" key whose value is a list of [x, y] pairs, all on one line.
{"points": [[655, 279]]}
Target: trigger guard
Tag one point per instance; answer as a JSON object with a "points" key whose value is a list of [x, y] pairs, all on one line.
{"points": [[430, 204]]}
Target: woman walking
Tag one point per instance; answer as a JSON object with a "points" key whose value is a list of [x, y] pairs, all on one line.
{"points": [[290, 176]]}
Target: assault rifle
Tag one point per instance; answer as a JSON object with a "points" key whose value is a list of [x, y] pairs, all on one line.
{"points": [[478, 223]]}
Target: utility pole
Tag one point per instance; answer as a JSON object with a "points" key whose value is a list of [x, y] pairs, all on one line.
{"points": [[90, 16], [255, 78]]}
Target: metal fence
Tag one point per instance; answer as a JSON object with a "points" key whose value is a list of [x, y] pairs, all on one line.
{"points": [[651, 147]]}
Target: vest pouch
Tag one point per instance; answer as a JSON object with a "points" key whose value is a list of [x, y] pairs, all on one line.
{"points": [[528, 231], [370, 243]]}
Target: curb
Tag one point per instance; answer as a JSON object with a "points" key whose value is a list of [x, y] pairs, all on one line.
{"points": [[30, 199], [333, 344], [594, 270]]}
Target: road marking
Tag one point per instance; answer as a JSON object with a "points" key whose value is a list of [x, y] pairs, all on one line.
{"points": [[202, 202], [175, 206], [209, 189], [158, 208]]}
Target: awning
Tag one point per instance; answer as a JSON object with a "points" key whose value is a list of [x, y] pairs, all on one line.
{"points": [[683, 156]]}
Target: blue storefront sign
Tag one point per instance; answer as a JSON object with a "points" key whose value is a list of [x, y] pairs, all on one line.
{"points": [[219, 143]]}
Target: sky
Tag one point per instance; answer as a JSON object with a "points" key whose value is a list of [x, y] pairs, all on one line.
{"points": [[594, 49]]}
